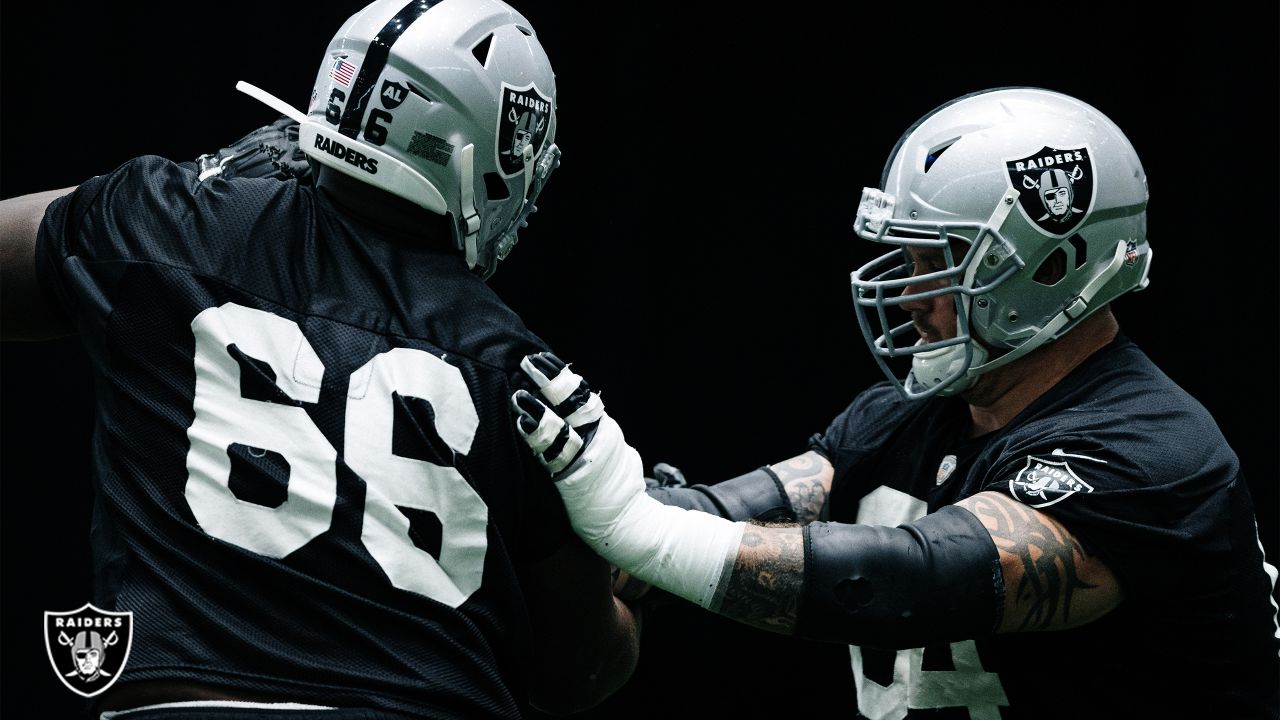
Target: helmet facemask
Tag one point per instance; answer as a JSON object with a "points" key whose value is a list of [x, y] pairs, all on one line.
{"points": [[941, 366]]}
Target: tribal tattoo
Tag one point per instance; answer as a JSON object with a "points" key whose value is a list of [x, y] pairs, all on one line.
{"points": [[764, 587], [807, 480], [1045, 567]]}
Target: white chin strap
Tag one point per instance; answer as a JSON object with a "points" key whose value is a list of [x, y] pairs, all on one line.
{"points": [[467, 201]]}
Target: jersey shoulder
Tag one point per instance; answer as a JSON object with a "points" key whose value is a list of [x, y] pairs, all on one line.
{"points": [[151, 209], [869, 420]]}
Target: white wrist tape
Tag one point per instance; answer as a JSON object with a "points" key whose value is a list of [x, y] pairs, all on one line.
{"points": [[682, 551]]}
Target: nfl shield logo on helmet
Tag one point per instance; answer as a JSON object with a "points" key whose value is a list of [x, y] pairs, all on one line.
{"points": [[526, 116], [1044, 482], [1055, 188], [88, 647]]}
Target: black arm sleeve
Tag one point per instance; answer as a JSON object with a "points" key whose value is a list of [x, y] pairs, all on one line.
{"points": [[935, 579], [757, 495]]}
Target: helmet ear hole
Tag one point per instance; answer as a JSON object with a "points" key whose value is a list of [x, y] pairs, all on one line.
{"points": [[1053, 269], [495, 187]]}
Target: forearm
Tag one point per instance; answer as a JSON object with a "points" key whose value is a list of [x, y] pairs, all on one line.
{"points": [[684, 552], [757, 495], [791, 491], [935, 579]]}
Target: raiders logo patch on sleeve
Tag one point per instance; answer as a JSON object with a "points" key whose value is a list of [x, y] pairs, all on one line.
{"points": [[1045, 482]]}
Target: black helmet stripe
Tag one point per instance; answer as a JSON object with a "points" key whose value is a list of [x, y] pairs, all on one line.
{"points": [[375, 60]]}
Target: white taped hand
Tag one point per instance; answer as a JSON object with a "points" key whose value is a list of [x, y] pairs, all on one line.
{"points": [[601, 481]]}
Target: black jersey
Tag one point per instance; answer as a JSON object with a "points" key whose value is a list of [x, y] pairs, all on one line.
{"points": [[1140, 473], [308, 478]]}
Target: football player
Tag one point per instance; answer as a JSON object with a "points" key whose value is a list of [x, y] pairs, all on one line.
{"points": [[1036, 522], [309, 491]]}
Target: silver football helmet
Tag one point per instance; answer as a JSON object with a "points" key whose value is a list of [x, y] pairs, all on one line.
{"points": [[1000, 181], [450, 104]]}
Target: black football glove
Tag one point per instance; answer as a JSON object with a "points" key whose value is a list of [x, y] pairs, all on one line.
{"points": [[271, 151]]}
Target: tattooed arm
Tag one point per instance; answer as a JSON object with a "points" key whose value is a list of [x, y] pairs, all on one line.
{"points": [[764, 588], [767, 578], [790, 491], [804, 481], [807, 481], [1050, 581]]}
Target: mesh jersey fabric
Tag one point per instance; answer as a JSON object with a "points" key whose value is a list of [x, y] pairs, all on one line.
{"points": [[252, 345]]}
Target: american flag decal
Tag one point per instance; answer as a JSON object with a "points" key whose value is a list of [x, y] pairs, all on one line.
{"points": [[343, 71]]}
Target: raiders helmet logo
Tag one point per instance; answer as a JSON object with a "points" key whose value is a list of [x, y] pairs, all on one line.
{"points": [[525, 118], [1045, 482], [1055, 188], [88, 647]]}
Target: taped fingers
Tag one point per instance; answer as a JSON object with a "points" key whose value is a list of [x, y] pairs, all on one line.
{"points": [[562, 388], [554, 441]]}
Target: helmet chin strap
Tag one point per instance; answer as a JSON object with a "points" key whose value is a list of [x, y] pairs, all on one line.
{"points": [[947, 369], [470, 216]]}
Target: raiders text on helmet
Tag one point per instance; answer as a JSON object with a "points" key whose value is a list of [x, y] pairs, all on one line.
{"points": [[1000, 181], [450, 104]]}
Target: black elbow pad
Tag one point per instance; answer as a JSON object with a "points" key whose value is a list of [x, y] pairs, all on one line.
{"points": [[757, 495], [935, 579]]}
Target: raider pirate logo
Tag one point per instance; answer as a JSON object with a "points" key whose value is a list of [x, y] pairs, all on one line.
{"points": [[526, 114], [88, 647], [1044, 482], [1055, 187]]}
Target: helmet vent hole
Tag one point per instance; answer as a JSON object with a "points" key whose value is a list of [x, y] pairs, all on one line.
{"points": [[418, 91], [495, 187], [527, 32], [481, 49], [1053, 269], [936, 153], [1081, 248]]}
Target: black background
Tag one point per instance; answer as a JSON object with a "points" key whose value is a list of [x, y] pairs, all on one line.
{"points": [[691, 255]]}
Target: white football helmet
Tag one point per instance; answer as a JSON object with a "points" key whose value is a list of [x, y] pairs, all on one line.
{"points": [[1016, 175], [450, 104]]}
